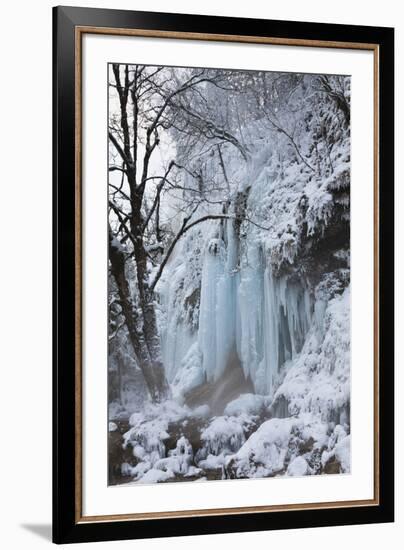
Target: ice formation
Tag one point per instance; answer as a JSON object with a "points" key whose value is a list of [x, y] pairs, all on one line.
{"points": [[243, 308]]}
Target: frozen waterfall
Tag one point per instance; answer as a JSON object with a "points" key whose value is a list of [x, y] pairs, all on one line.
{"points": [[218, 307], [177, 337], [244, 308]]}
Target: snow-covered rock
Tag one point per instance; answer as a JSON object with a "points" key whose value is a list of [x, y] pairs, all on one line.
{"points": [[337, 457], [179, 460], [247, 403], [156, 476], [298, 467], [225, 434], [318, 381], [275, 444], [343, 454]]}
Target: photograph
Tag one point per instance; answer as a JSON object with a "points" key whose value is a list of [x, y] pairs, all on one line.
{"points": [[229, 304]]}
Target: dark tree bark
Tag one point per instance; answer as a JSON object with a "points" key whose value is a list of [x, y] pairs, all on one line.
{"points": [[151, 368], [146, 297], [141, 322]]}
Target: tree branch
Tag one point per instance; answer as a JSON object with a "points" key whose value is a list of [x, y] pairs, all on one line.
{"points": [[123, 92], [119, 190], [214, 131], [157, 197], [292, 141], [125, 158], [122, 222], [185, 228]]}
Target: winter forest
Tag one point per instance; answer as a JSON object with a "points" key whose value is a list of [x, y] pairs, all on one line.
{"points": [[229, 274]]}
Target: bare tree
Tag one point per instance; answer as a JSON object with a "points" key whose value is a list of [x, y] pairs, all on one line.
{"points": [[149, 100]]}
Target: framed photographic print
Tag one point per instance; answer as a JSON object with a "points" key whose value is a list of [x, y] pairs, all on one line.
{"points": [[223, 274]]}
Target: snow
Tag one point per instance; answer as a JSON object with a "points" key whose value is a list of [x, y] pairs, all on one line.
{"points": [[312, 378], [155, 476], [269, 449], [298, 467], [116, 411], [213, 462], [225, 433], [339, 448], [318, 381], [343, 453], [179, 459], [247, 403], [148, 434], [112, 427], [191, 374], [192, 471], [203, 411], [147, 438], [265, 451]]}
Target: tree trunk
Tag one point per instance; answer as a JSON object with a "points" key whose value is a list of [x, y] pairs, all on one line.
{"points": [[141, 340], [146, 300]]}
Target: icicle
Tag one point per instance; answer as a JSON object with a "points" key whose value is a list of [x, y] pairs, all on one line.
{"points": [[287, 318], [271, 329], [177, 337], [207, 336], [249, 302], [225, 322]]}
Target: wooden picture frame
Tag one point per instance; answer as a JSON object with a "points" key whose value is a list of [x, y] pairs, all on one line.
{"points": [[69, 522]]}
